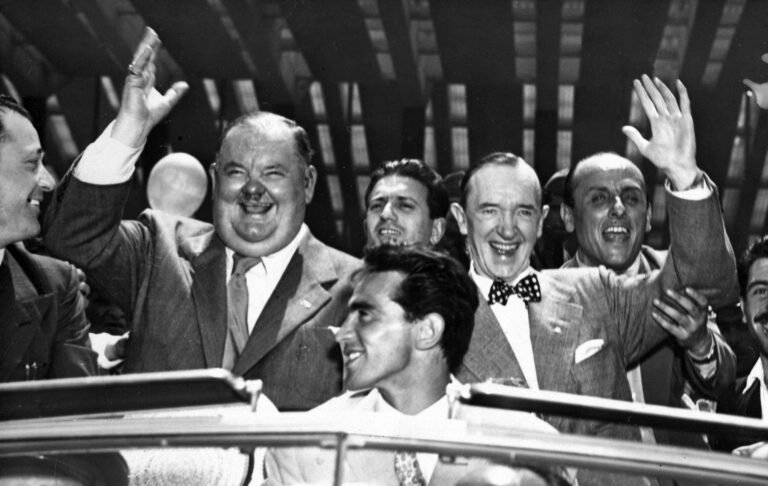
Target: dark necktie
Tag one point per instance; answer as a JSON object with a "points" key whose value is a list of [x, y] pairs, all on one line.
{"points": [[407, 469], [527, 289], [237, 309]]}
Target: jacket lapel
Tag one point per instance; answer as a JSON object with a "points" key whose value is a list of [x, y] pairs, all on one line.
{"points": [[209, 293], [489, 354], [22, 320], [299, 295]]}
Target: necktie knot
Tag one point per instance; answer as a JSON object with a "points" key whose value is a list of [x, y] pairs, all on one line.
{"points": [[527, 289], [241, 264]]}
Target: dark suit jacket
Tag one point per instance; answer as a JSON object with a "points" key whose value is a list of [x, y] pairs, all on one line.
{"points": [[583, 305], [168, 275], [667, 367], [738, 401], [44, 333]]}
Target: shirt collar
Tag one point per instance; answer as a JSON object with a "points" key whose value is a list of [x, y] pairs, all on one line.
{"points": [[438, 410], [756, 374], [484, 283], [277, 262], [2, 255]]}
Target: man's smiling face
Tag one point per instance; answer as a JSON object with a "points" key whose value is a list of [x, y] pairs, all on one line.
{"points": [[23, 179], [502, 219], [756, 303], [376, 339], [610, 214], [261, 187]]}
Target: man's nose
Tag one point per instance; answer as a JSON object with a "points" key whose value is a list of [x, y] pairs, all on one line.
{"points": [[388, 211], [45, 179], [507, 224], [618, 208], [253, 186], [345, 331]]}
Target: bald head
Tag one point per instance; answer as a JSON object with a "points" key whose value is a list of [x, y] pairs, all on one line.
{"points": [[606, 206]]}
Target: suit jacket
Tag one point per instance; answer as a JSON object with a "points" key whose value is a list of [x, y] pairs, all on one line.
{"points": [[44, 333], [738, 400], [596, 307], [316, 465], [667, 367], [168, 275]]}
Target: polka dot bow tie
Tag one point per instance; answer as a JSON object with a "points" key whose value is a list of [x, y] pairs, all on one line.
{"points": [[527, 289]]}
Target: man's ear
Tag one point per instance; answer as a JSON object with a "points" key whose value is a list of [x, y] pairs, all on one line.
{"points": [[648, 214], [544, 213], [566, 214], [461, 218], [429, 331], [214, 181], [438, 230], [310, 179]]}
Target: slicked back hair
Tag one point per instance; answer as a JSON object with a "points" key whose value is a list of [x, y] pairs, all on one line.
{"points": [[261, 118], [433, 283], [495, 158], [9, 104]]}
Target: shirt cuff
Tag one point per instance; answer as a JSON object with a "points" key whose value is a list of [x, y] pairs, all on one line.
{"points": [[705, 365], [107, 161], [698, 191]]}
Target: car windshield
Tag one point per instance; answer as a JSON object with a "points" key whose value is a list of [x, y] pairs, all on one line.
{"points": [[244, 440]]}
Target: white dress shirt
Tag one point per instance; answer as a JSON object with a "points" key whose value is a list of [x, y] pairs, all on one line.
{"points": [[758, 374], [262, 278], [438, 410], [513, 319]]}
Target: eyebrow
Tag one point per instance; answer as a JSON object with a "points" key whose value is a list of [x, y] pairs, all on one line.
{"points": [[755, 283], [360, 305]]}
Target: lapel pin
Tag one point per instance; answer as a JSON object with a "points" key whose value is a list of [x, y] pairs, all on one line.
{"points": [[306, 304]]}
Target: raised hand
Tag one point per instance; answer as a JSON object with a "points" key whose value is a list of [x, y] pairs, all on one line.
{"points": [[684, 315], [760, 90], [142, 106], [672, 147]]}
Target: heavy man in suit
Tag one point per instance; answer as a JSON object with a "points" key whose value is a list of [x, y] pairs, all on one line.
{"points": [[255, 292], [43, 329], [409, 325], [575, 331], [605, 205]]}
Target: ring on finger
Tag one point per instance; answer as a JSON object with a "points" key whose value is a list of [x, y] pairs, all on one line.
{"points": [[133, 71]]}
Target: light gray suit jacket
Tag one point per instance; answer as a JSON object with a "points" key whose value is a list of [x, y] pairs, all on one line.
{"points": [[169, 275], [594, 305]]}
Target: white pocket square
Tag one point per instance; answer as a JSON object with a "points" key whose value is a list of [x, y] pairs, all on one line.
{"points": [[587, 349]]}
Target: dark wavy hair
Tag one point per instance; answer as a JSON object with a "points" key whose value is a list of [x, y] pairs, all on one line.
{"points": [[756, 251], [433, 283]]}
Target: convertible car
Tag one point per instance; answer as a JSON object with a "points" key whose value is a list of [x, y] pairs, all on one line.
{"points": [[209, 427]]}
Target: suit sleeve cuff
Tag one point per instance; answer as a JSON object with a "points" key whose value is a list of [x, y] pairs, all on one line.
{"points": [[698, 191], [107, 161]]}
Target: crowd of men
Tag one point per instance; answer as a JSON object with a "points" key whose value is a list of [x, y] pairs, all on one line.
{"points": [[256, 293]]}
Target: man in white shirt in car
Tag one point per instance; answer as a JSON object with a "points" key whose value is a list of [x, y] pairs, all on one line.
{"points": [[409, 325]]}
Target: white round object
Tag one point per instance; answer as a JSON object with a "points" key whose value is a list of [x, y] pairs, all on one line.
{"points": [[177, 185]]}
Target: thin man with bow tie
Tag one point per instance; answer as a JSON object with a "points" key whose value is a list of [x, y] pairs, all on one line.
{"points": [[575, 330]]}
